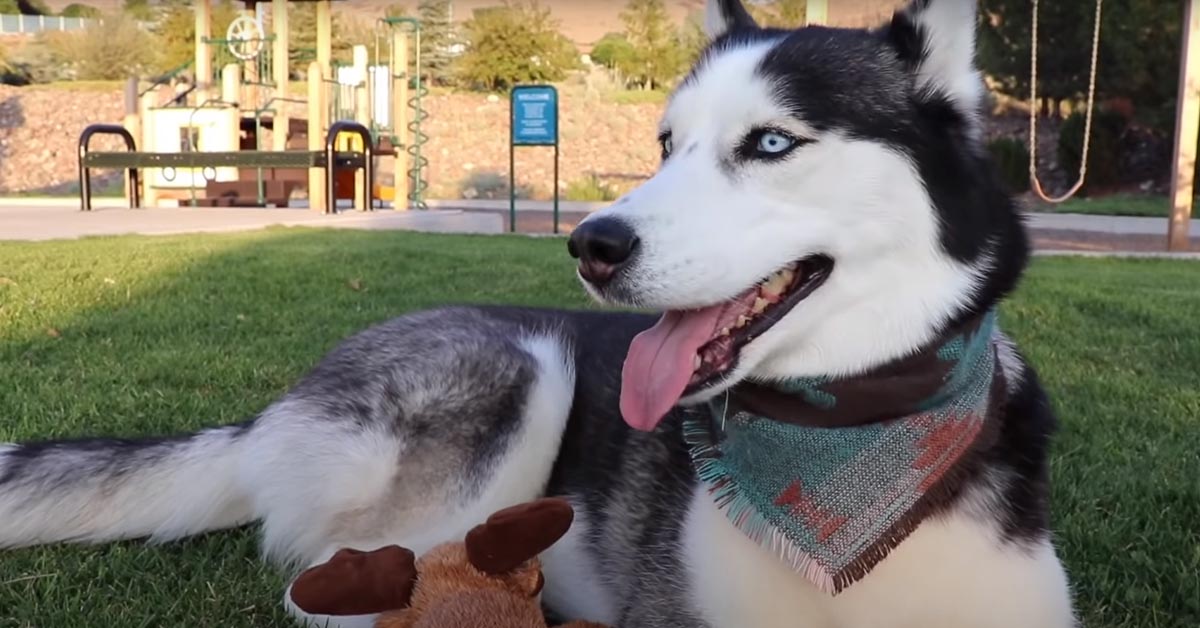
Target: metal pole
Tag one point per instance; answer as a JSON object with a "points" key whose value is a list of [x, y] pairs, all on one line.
{"points": [[1187, 130], [557, 141], [331, 170], [512, 187], [400, 183], [512, 163], [556, 192]]}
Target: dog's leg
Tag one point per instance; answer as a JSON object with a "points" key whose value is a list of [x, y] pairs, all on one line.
{"points": [[462, 448]]}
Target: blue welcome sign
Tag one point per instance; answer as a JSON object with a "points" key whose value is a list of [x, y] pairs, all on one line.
{"points": [[535, 115], [534, 123]]}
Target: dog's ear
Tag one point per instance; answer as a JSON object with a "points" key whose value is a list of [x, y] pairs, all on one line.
{"points": [[936, 38], [723, 16]]}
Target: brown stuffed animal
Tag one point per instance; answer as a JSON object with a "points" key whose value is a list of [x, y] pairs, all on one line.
{"points": [[491, 580]]}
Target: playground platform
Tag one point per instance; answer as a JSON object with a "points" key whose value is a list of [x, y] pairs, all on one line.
{"points": [[39, 221]]}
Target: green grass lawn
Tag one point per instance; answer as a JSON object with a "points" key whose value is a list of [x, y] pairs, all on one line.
{"points": [[1115, 205], [127, 336]]}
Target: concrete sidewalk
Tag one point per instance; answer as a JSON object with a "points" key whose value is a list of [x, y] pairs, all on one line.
{"points": [[47, 219], [48, 222], [1124, 225], [1128, 225]]}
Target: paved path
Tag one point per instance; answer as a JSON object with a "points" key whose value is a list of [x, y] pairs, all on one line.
{"points": [[1051, 232], [52, 223], [1036, 221], [46, 219], [1130, 225]]}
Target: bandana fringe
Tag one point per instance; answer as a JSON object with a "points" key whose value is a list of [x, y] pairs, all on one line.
{"points": [[738, 508]]}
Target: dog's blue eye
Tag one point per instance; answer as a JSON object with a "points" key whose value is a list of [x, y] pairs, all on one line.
{"points": [[773, 143], [668, 146]]}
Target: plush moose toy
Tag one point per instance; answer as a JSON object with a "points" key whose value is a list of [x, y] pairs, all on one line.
{"points": [[492, 580]]}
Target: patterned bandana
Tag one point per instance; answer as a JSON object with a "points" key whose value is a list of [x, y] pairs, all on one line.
{"points": [[834, 474]]}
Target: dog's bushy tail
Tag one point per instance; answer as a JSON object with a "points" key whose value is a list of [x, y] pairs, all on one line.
{"points": [[107, 489]]}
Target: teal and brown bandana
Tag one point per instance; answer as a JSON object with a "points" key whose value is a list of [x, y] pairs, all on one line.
{"points": [[833, 474]]}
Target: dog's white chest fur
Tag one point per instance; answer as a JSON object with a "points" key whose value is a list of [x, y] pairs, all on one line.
{"points": [[952, 572]]}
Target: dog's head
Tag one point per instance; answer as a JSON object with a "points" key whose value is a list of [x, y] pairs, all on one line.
{"points": [[824, 204]]}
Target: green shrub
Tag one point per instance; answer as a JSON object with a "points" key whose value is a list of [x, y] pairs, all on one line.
{"points": [[486, 185], [1012, 161], [591, 189], [112, 49], [80, 10], [1104, 157]]}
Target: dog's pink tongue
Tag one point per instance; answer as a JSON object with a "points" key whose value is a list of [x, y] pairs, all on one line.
{"points": [[660, 364]]}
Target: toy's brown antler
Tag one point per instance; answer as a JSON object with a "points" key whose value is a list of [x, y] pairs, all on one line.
{"points": [[358, 583], [516, 535]]}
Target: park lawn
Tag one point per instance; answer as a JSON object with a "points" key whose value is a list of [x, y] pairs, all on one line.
{"points": [[137, 335], [1114, 205]]}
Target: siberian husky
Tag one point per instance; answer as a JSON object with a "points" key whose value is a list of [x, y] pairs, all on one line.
{"points": [[824, 209]]}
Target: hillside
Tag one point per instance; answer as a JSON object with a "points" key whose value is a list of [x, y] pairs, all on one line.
{"points": [[583, 21]]}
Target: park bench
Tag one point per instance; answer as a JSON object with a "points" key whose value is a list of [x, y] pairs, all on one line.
{"points": [[330, 160]]}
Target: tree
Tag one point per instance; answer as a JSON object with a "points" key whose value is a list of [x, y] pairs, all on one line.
{"points": [[693, 39], [614, 51], [175, 31], [25, 7], [80, 10], [791, 13], [345, 34], [1139, 50], [139, 10], [438, 39], [659, 58], [780, 13], [34, 7], [515, 43]]}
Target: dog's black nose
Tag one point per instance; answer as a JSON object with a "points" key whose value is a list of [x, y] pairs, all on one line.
{"points": [[602, 247]]}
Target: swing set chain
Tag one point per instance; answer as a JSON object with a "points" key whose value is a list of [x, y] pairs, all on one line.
{"points": [[1033, 111]]}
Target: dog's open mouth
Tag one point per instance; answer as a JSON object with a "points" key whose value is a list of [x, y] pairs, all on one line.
{"points": [[690, 350]]}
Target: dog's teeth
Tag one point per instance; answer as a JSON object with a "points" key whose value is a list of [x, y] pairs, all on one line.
{"points": [[725, 332], [697, 362], [776, 284], [760, 305], [788, 275], [742, 321]]}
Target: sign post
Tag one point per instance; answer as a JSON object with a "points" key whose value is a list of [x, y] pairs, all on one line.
{"points": [[534, 111]]}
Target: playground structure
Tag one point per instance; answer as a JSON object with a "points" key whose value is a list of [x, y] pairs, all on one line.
{"points": [[203, 141]]}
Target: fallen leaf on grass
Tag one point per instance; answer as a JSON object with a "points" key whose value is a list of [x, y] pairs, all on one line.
{"points": [[5, 281], [53, 333], [355, 285]]}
